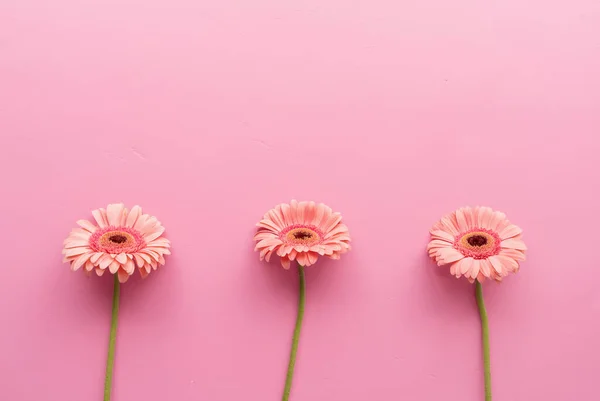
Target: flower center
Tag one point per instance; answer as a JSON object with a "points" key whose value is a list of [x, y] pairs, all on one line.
{"points": [[301, 235], [477, 240], [478, 243], [117, 240]]}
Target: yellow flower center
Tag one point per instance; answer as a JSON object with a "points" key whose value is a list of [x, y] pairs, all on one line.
{"points": [[302, 235], [477, 240], [479, 243], [117, 238]]}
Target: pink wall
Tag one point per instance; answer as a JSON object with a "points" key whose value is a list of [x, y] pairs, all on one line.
{"points": [[208, 113]]}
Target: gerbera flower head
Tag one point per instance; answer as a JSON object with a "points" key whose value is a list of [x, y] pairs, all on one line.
{"points": [[477, 243], [301, 231], [120, 240]]}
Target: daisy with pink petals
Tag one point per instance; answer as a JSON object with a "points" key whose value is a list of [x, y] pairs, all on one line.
{"points": [[478, 243], [119, 241], [301, 232]]}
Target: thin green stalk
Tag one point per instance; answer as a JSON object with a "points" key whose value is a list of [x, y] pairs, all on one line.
{"points": [[110, 361], [296, 338], [485, 338]]}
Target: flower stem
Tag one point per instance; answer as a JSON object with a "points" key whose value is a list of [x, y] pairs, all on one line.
{"points": [[296, 338], [485, 338], [110, 361]]}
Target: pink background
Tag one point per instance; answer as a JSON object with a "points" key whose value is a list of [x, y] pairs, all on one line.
{"points": [[208, 113]]}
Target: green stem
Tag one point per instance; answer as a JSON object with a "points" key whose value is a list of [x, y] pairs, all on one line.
{"points": [[296, 338], [110, 361], [485, 338]]}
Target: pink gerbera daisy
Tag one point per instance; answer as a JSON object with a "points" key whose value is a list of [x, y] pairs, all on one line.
{"points": [[301, 231], [119, 241], [478, 243]]}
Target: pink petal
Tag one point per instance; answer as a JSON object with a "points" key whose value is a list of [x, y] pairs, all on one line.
{"points": [[162, 242], [76, 243], [453, 269], [100, 216], [497, 219], [269, 242], [123, 276], [276, 217], [154, 235], [138, 260], [341, 228], [80, 261], [510, 265], [462, 220], [75, 251], [302, 258], [284, 250], [312, 258], [96, 256], [448, 255], [300, 212], [285, 214], [261, 235], [450, 226], [268, 225], [485, 216], [319, 213], [442, 235], [320, 249], [152, 225], [86, 225], [129, 267], [294, 211], [114, 266], [121, 258], [146, 258], [89, 266], [469, 217], [285, 262], [105, 261], [133, 215], [152, 254], [79, 234], [464, 265], [310, 212], [513, 254], [497, 264], [114, 212], [141, 221], [510, 231], [475, 268], [331, 223], [143, 273], [437, 243], [513, 243], [486, 267], [99, 271]]}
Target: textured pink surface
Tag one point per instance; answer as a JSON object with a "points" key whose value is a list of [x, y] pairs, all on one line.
{"points": [[208, 113]]}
